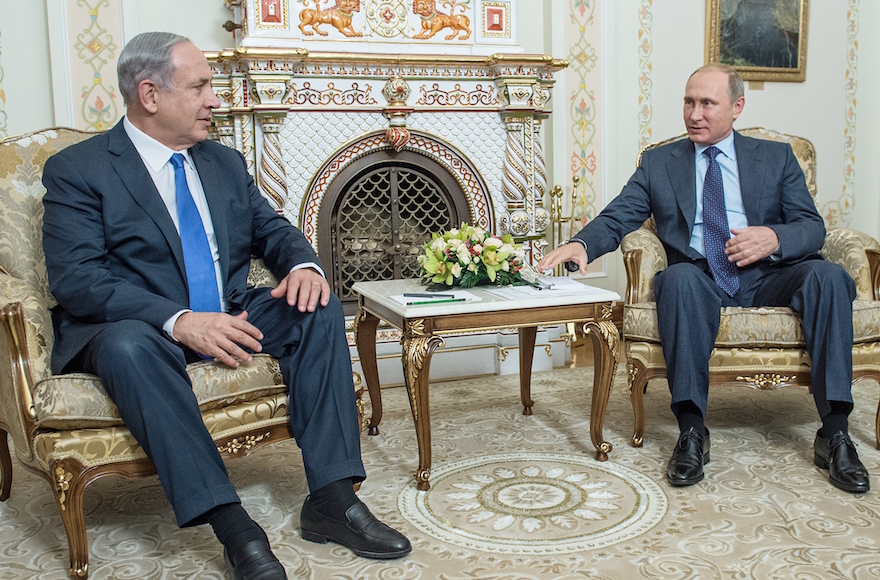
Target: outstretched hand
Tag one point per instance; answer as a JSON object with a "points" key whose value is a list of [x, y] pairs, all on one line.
{"points": [[566, 253]]}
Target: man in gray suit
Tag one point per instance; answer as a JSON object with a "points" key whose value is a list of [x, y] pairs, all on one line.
{"points": [[740, 229], [148, 233]]}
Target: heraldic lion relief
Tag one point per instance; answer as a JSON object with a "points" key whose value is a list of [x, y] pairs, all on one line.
{"points": [[432, 22], [338, 17]]}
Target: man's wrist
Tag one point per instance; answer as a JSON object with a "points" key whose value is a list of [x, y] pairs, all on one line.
{"points": [[576, 240]]}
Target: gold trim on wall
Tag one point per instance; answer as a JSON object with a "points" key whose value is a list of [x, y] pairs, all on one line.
{"points": [[757, 73]]}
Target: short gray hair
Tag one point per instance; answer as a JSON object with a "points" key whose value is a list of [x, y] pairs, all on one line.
{"points": [[147, 56], [735, 88]]}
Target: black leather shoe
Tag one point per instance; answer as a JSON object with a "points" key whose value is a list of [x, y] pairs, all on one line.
{"points": [[362, 533], [838, 455], [691, 453], [255, 561]]}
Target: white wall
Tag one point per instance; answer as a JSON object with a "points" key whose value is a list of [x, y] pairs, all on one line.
{"points": [[27, 79]]}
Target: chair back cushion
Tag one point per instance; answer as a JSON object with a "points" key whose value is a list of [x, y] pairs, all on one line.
{"points": [[21, 202], [23, 275]]}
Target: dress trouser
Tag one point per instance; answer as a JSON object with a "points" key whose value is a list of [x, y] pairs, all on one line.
{"points": [[144, 372], [689, 313]]}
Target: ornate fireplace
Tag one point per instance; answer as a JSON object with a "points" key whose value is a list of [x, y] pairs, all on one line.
{"points": [[378, 212], [369, 150]]}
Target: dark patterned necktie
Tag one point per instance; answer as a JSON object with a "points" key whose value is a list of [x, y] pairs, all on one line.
{"points": [[716, 230], [200, 274]]}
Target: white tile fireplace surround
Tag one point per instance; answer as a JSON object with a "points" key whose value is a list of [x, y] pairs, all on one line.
{"points": [[303, 108]]}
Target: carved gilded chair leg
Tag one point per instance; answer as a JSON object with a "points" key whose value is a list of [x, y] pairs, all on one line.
{"points": [[365, 325], [5, 466], [69, 485], [638, 382]]}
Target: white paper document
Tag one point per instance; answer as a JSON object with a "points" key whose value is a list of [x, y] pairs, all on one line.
{"points": [[546, 286]]}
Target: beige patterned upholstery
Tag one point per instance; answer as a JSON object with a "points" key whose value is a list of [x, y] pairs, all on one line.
{"points": [[65, 427], [758, 347]]}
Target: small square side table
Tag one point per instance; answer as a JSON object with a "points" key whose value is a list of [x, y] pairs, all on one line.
{"points": [[423, 327]]}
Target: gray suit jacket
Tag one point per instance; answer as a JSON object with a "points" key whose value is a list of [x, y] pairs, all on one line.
{"points": [[773, 188], [113, 253]]}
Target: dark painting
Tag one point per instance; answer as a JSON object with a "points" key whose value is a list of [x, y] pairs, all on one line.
{"points": [[760, 32]]}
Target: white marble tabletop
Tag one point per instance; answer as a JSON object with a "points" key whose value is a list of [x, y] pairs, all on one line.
{"points": [[387, 293]]}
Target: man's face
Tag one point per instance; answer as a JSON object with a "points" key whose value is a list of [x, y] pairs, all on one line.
{"points": [[708, 112], [183, 113]]}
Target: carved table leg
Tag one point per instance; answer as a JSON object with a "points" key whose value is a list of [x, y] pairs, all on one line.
{"points": [[527, 338], [418, 347], [365, 325], [606, 341]]}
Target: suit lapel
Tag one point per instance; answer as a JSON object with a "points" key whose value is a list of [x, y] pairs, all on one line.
{"points": [[133, 173], [681, 174], [214, 188], [751, 175]]}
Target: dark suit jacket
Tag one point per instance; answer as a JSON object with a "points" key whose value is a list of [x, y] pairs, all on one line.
{"points": [[773, 188], [113, 253]]}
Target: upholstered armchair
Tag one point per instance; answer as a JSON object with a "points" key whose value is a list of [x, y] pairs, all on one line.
{"points": [[65, 428], [762, 348]]}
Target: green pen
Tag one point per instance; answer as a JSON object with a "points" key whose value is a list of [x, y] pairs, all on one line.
{"points": [[437, 301]]}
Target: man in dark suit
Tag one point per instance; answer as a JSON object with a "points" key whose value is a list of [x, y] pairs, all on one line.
{"points": [[740, 229], [148, 233]]}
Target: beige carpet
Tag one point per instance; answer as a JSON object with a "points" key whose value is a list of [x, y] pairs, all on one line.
{"points": [[517, 497]]}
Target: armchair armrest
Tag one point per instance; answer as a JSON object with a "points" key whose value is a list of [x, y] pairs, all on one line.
{"points": [[24, 358], [643, 257], [859, 254]]}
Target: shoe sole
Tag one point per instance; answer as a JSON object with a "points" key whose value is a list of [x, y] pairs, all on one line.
{"points": [[324, 538], [822, 463], [691, 481]]}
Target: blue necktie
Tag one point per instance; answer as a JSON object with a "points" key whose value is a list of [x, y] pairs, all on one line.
{"points": [[200, 275], [716, 231]]}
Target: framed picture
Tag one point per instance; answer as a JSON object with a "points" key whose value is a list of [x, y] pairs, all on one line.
{"points": [[764, 40]]}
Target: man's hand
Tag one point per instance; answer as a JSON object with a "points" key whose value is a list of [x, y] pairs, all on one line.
{"points": [[219, 335], [573, 252], [303, 288], [748, 245]]}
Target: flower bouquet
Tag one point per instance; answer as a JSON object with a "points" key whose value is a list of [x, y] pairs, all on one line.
{"points": [[469, 256]]}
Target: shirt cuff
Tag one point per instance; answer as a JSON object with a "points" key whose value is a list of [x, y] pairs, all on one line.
{"points": [[309, 265], [168, 327], [580, 241]]}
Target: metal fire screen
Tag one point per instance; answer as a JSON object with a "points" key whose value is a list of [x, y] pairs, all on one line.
{"points": [[382, 218]]}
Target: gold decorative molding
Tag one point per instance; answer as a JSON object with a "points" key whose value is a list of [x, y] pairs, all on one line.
{"points": [[248, 443], [62, 484], [767, 381]]}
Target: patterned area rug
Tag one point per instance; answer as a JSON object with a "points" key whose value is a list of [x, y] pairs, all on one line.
{"points": [[516, 497]]}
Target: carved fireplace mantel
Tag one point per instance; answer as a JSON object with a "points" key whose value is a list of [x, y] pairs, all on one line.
{"points": [[294, 114]]}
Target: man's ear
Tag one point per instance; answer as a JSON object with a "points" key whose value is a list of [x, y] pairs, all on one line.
{"points": [[738, 106], [148, 95]]}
